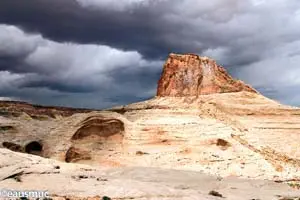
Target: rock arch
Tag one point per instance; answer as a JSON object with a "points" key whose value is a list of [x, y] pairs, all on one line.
{"points": [[100, 127]]}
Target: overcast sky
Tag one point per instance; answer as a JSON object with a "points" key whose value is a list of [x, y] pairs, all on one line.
{"points": [[101, 53]]}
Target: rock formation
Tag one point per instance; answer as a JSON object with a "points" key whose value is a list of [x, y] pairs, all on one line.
{"points": [[192, 75], [232, 130]]}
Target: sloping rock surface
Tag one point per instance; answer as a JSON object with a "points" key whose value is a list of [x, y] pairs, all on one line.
{"points": [[78, 182]]}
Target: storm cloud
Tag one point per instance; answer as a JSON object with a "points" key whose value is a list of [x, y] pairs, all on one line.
{"points": [[99, 53]]}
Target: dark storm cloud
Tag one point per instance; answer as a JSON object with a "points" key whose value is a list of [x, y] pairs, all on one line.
{"points": [[6, 63], [67, 21], [66, 73], [92, 52], [153, 29], [58, 86]]}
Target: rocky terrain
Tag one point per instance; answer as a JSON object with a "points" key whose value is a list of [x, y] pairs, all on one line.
{"points": [[82, 182], [203, 132]]}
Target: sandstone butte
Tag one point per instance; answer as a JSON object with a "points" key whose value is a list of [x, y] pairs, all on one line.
{"points": [[204, 135], [192, 75]]}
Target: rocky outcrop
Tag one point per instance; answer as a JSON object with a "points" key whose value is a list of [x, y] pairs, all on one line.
{"points": [[192, 75], [99, 126]]}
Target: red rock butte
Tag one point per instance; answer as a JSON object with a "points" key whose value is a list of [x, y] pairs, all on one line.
{"points": [[193, 75]]}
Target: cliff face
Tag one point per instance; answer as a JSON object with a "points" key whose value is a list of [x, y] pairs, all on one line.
{"points": [[192, 75]]}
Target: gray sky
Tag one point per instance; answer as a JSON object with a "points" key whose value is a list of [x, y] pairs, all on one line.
{"points": [[100, 53]]}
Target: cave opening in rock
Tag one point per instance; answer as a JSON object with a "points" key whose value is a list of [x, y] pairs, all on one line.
{"points": [[34, 147]]}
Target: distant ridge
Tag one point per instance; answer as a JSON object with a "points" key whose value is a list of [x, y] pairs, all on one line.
{"points": [[19, 107]]}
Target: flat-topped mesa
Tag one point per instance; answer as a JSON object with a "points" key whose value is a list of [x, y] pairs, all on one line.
{"points": [[192, 75]]}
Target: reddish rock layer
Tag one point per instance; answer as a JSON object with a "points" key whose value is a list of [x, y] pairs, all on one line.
{"points": [[192, 75]]}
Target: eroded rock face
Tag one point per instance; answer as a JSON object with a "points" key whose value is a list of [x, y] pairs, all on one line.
{"points": [[192, 75], [101, 127], [74, 154], [13, 147]]}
